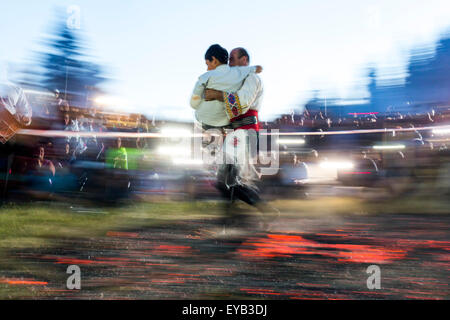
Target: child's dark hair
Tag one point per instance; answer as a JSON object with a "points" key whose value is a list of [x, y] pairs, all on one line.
{"points": [[217, 51]]}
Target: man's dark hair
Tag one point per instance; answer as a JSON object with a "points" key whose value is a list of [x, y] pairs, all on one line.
{"points": [[217, 51], [243, 53]]}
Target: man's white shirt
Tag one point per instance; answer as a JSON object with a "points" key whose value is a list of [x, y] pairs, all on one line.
{"points": [[223, 78], [251, 93], [15, 101]]}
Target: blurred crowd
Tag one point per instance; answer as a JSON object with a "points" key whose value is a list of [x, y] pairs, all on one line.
{"points": [[43, 163], [313, 121], [76, 160], [395, 160]]}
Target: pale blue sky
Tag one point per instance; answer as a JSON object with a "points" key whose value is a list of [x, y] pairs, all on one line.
{"points": [[154, 49]]}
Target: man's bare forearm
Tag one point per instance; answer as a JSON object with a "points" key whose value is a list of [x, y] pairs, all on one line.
{"points": [[211, 94]]}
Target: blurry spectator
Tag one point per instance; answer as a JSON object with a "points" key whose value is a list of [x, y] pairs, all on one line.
{"points": [[80, 143], [141, 143], [117, 157], [91, 127], [42, 166], [41, 172], [14, 101], [61, 103], [66, 157], [93, 112], [80, 122], [293, 171], [67, 123]]}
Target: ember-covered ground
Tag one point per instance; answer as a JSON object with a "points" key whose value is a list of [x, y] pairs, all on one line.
{"points": [[303, 256]]}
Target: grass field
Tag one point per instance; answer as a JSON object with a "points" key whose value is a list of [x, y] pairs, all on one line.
{"points": [[41, 226], [35, 225]]}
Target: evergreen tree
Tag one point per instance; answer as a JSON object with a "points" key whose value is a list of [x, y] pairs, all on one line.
{"points": [[67, 69]]}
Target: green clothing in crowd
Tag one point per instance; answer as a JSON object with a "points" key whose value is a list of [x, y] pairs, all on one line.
{"points": [[117, 158]]}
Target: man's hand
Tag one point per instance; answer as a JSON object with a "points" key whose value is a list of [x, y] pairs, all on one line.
{"points": [[211, 94], [259, 69], [25, 120]]}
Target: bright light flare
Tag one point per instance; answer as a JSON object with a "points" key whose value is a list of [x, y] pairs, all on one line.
{"points": [[390, 147], [336, 165], [36, 92], [291, 141], [441, 132], [109, 101], [175, 133], [174, 151], [187, 162]]}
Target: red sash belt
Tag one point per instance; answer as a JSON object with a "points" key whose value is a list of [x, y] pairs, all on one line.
{"points": [[249, 113]]}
